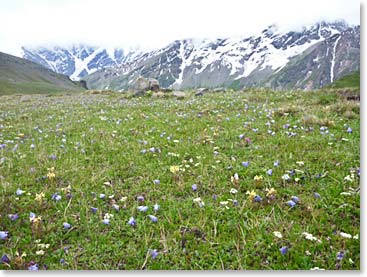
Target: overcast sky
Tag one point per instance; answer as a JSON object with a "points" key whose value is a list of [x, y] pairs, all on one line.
{"points": [[155, 23]]}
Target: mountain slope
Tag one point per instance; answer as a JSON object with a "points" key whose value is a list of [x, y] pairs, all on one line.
{"points": [[18, 75], [78, 60], [274, 59]]}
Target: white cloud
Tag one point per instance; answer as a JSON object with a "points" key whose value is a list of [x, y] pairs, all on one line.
{"points": [[155, 23]]}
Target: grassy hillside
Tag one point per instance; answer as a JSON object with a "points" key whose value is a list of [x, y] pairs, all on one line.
{"points": [[22, 76], [237, 180], [348, 81]]}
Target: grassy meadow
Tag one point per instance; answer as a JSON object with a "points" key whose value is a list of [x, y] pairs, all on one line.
{"points": [[254, 179]]}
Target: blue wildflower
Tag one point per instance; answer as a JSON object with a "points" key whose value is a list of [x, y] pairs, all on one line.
{"points": [[156, 207], [131, 221], [269, 172], [62, 261], [56, 197], [106, 221], [4, 235], [33, 267], [101, 196], [142, 208], [153, 218], [241, 136], [295, 199], [284, 250], [340, 255], [13, 217], [194, 187], [156, 182], [94, 210], [317, 195], [349, 130], [276, 163], [246, 164], [140, 198], [291, 203], [257, 198], [19, 192], [153, 253], [66, 225], [5, 259]]}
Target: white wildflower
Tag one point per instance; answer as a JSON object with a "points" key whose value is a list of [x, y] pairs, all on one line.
{"points": [[278, 234]]}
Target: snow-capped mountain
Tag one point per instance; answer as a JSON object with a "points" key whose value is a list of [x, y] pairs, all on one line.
{"points": [[309, 58], [77, 61], [306, 59]]}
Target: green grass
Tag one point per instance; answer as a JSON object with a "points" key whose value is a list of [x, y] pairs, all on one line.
{"points": [[9, 88], [348, 81], [103, 145]]}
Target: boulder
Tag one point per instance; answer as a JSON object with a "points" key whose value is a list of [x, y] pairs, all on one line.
{"points": [[201, 91], [219, 90], [144, 84], [179, 94]]}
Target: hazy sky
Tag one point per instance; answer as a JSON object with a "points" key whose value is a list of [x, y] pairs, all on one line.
{"points": [[155, 23]]}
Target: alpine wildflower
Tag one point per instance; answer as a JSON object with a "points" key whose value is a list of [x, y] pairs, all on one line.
{"points": [[194, 187], [19, 191], [154, 253], [33, 267], [153, 218], [156, 182], [156, 207], [142, 208], [13, 217], [4, 235], [291, 203], [131, 221], [251, 195], [66, 225], [284, 250], [278, 234], [245, 164]]}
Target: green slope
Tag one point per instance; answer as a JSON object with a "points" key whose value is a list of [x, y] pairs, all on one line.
{"points": [[22, 76], [348, 81]]}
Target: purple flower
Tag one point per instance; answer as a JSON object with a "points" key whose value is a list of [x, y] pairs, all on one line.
{"points": [[32, 216], [340, 255], [2, 146], [194, 187], [66, 225], [276, 163], [66, 250], [291, 203], [33, 267], [142, 208], [245, 164], [235, 202], [295, 199], [317, 195], [156, 182], [3, 235], [214, 197], [269, 172], [101, 196], [349, 130], [241, 136], [56, 197], [62, 261], [153, 253], [19, 192], [13, 217], [140, 198], [106, 221], [257, 198], [248, 140], [284, 250], [131, 221], [94, 210], [156, 207], [5, 259], [52, 157], [153, 218]]}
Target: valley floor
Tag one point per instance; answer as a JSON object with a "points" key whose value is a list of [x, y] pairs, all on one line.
{"points": [[238, 180]]}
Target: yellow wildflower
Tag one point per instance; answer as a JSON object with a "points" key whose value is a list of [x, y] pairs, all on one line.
{"points": [[271, 192], [251, 195], [174, 169]]}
